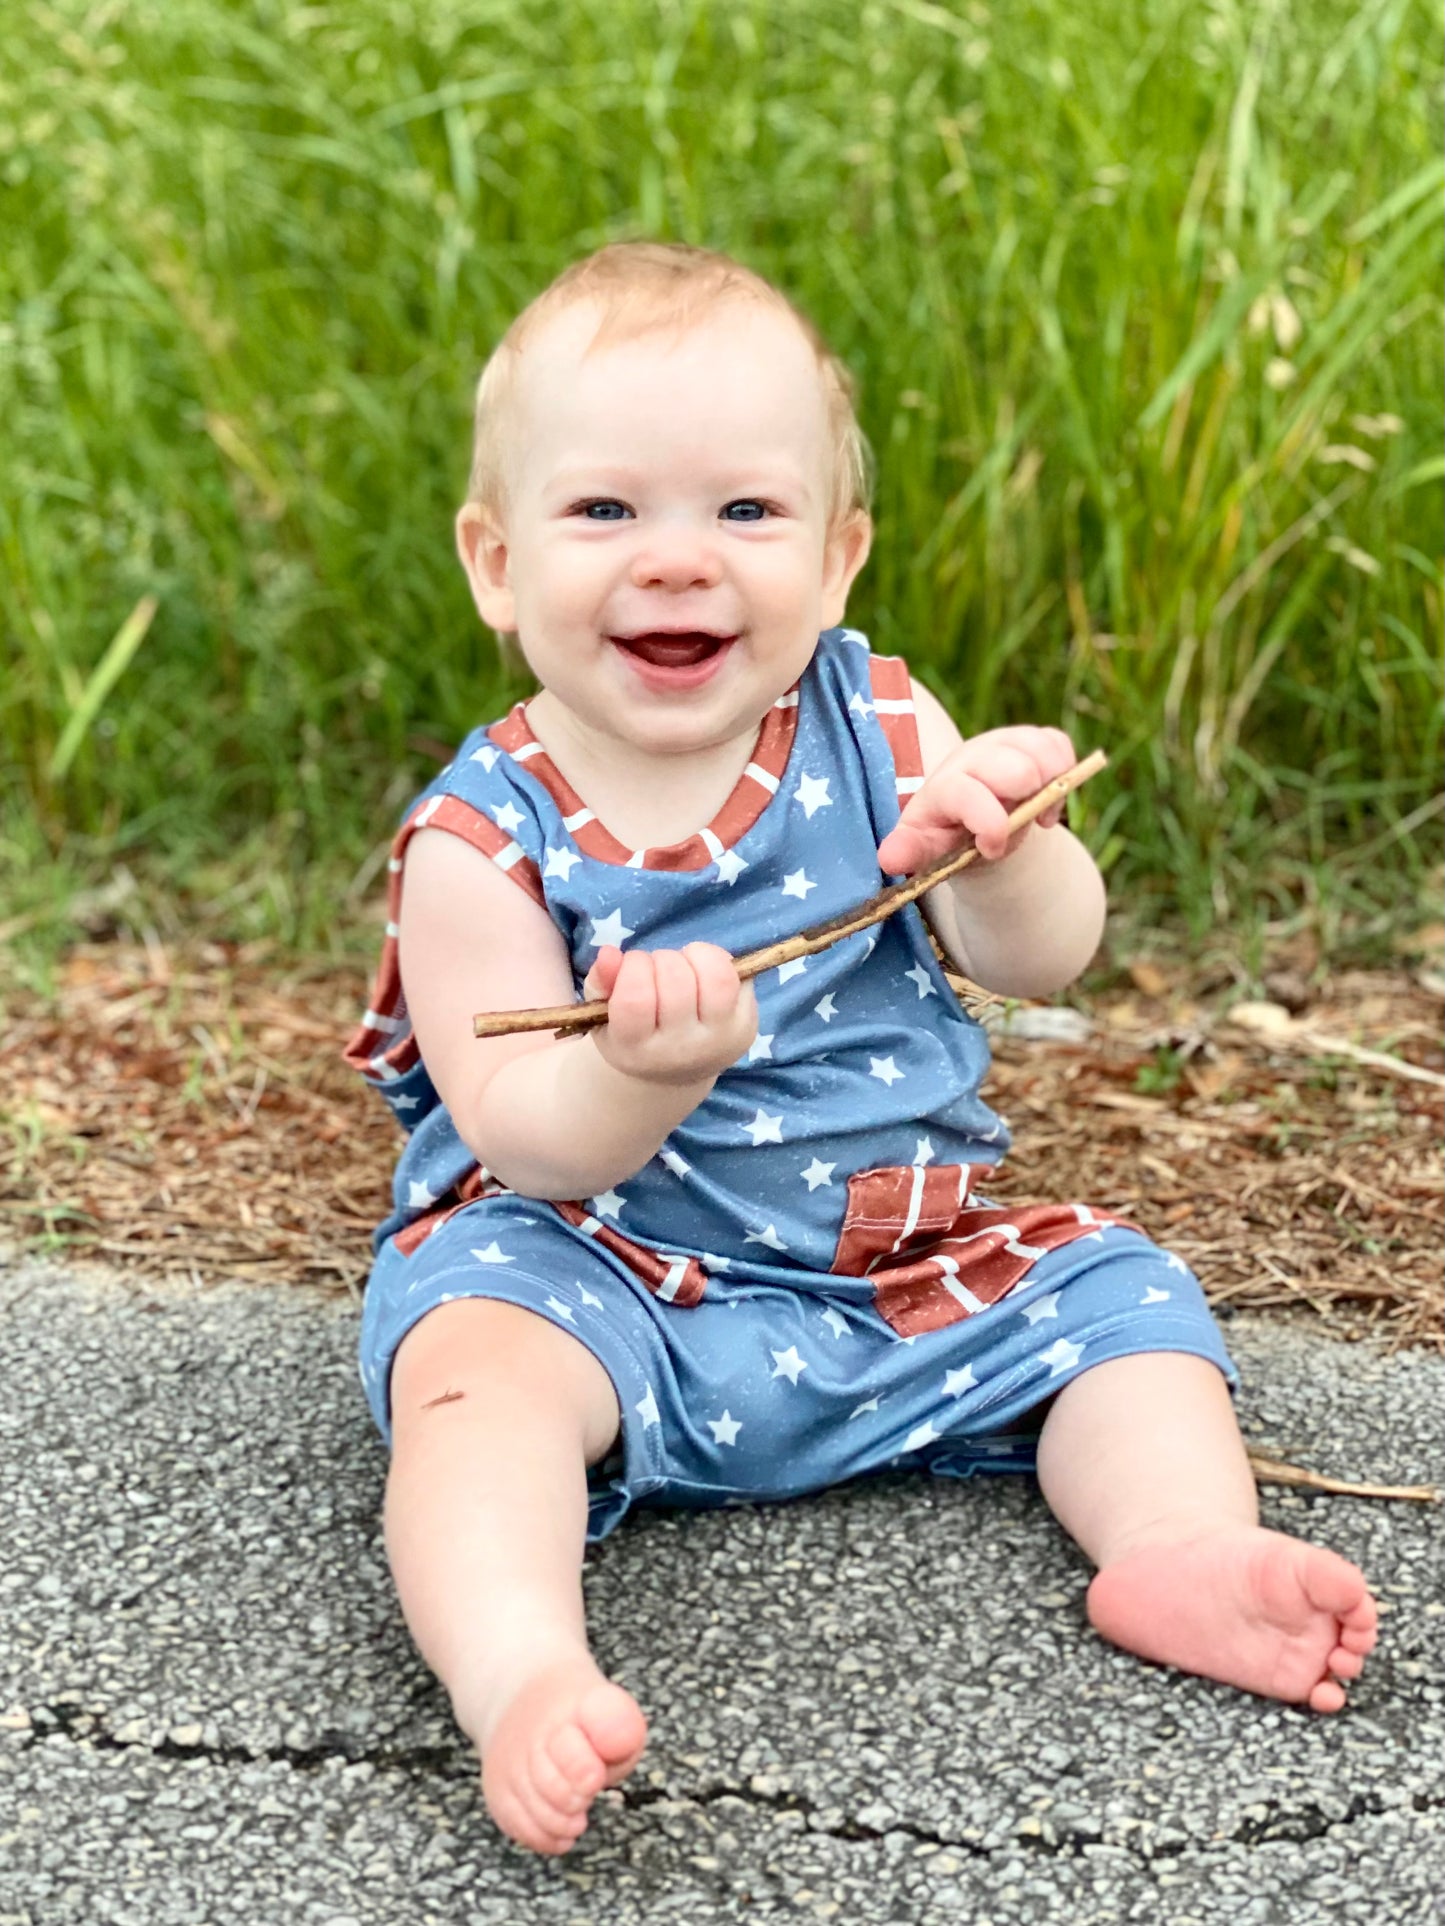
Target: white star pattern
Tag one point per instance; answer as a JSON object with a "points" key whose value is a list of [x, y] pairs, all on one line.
{"points": [[420, 1198], [786, 971], [856, 701], [609, 1204], [508, 817], [724, 1429], [836, 1322], [925, 1152], [647, 1410], [679, 1166], [1061, 1356], [827, 1009], [788, 1364], [760, 1047], [711, 1263], [588, 1298], [1041, 1307], [730, 866], [560, 862], [765, 1129], [885, 1069], [818, 1173], [1175, 1263], [919, 976], [769, 1237], [493, 1254], [812, 793], [401, 1103], [924, 1435], [608, 929], [955, 1383], [487, 757], [562, 1310], [798, 884], [1152, 1295], [869, 1404]]}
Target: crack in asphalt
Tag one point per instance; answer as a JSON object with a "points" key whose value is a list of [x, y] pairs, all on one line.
{"points": [[85, 1729], [1279, 1824]]}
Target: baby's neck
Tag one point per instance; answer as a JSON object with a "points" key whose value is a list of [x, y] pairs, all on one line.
{"points": [[647, 801]]}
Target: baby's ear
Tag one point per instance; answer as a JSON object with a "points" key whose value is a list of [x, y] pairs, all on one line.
{"points": [[844, 554], [485, 556]]}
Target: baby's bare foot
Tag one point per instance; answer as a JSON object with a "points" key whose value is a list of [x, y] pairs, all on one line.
{"points": [[1246, 1606], [564, 1734]]}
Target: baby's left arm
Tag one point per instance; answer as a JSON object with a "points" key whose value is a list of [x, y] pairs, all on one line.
{"points": [[1026, 920]]}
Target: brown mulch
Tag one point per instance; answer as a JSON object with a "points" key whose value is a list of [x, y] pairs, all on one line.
{"points": [[190, 1114]]}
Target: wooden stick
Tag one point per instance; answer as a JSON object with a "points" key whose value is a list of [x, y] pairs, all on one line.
{"points": [[1269, 1471], [570, 1018]]}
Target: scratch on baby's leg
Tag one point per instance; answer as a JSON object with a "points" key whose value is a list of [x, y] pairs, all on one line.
{"points": [[447, 1397]]}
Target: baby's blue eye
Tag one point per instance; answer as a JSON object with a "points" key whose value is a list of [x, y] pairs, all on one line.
{"points": [[749, 511], [604, 511]]}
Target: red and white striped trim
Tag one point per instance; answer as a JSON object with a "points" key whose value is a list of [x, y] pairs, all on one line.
{"points": [[898, 719], [667, 1274], [382, 1047], [478, 1182], [751, 794], [932, 1257]]}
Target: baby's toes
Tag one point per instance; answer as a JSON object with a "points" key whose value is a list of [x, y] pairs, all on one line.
{"points": [[569, 1759], [556, 1789], [1327, 1696], [1332, 1584], [525, 1817], [612, 1721], [1344, 1665], [1360, 1638]]}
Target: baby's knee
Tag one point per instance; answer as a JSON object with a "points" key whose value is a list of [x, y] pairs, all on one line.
{"points": [[475, 1355]]}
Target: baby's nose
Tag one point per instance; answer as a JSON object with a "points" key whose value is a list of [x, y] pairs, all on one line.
{"points": [[677, 558]]}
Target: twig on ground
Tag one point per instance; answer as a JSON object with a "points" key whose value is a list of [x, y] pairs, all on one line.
{"points": [[569, 1018], [1270, 1471]]}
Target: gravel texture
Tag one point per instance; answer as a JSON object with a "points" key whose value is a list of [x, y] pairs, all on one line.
{"points": [[882, 1707]]}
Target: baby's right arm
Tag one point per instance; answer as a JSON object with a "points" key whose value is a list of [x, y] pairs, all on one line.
{"points": [[556, 1118]]}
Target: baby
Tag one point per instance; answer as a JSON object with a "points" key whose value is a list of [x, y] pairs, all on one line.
{"points": [[728, 1247]]}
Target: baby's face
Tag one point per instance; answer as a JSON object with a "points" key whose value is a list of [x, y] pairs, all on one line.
{"points": [[663, 558]]}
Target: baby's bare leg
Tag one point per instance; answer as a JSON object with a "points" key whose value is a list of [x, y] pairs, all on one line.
{"points": [[496, 1415], [1142, 1463]]}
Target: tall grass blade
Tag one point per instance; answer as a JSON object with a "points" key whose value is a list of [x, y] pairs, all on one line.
{"points": [[103, 678]]}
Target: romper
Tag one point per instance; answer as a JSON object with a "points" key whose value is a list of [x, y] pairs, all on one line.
{"points": [[804, 1285]]}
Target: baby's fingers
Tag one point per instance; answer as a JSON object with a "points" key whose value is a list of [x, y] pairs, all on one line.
{"points": [[632, 1000], [718, 983], [677, 999], [603, 974]]}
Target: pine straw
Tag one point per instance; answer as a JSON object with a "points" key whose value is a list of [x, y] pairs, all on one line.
{"points": [[190, 1115]]}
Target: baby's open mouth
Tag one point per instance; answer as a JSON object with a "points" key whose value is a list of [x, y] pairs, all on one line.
{"points": [[673, 651]]}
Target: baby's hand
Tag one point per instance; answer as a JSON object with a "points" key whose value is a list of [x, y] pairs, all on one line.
{"points": [[974, 790], [673, 1016]]}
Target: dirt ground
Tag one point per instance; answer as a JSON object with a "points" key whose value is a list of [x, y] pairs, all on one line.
{"points": [[189, 1112]]}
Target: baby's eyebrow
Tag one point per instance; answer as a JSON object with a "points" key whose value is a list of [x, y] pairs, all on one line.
{"points": [[595, 477]]}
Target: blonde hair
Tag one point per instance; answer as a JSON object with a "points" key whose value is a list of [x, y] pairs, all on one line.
{"points": [[644, 285]]}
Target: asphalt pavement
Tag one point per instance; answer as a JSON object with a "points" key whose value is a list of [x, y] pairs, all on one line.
{"points": [[882, 1707]]}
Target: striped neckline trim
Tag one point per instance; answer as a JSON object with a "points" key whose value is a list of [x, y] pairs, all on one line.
{"points": [[751, 794]]}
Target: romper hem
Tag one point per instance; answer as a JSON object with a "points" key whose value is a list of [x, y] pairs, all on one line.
{"points": [[632, 1469]]}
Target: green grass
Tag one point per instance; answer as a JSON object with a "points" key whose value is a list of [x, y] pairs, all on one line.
{"points": [[1143, 297]]}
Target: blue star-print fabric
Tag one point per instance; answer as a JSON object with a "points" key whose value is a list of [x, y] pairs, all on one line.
{"points": [[803, 1284]]}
